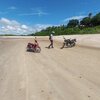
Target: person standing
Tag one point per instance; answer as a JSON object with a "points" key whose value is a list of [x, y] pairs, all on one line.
{"points": [[51, 40]]}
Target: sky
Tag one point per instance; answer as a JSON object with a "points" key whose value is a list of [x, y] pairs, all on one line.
{"points": [[29, 16]]}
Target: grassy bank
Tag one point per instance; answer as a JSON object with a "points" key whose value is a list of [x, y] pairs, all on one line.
{"points": [[70, 31], [7, 35]]}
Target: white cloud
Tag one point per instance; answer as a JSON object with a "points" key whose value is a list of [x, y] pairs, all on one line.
{"points": [[24, 27], [5, 21], [74, 17], [12, 8], [13, 27], [37, 12], [40, 13], [39, 27], [26, 14]]}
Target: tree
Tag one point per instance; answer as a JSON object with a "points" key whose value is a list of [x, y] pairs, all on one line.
{"points": [[86, 21], [96, 20], [73, 23], [90, 15]]}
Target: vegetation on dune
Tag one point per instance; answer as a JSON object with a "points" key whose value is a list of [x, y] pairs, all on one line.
{"points": [[88, 25], [13, 35], [7, 35]]}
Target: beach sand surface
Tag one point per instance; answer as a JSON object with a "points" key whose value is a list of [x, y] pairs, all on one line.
{"points": [[54, 74]]}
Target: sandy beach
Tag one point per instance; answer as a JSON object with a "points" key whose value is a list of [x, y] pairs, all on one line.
{"points": [[54, 74]]}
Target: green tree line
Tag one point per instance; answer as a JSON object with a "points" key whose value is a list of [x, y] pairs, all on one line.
{"points": [[88, 25]]}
